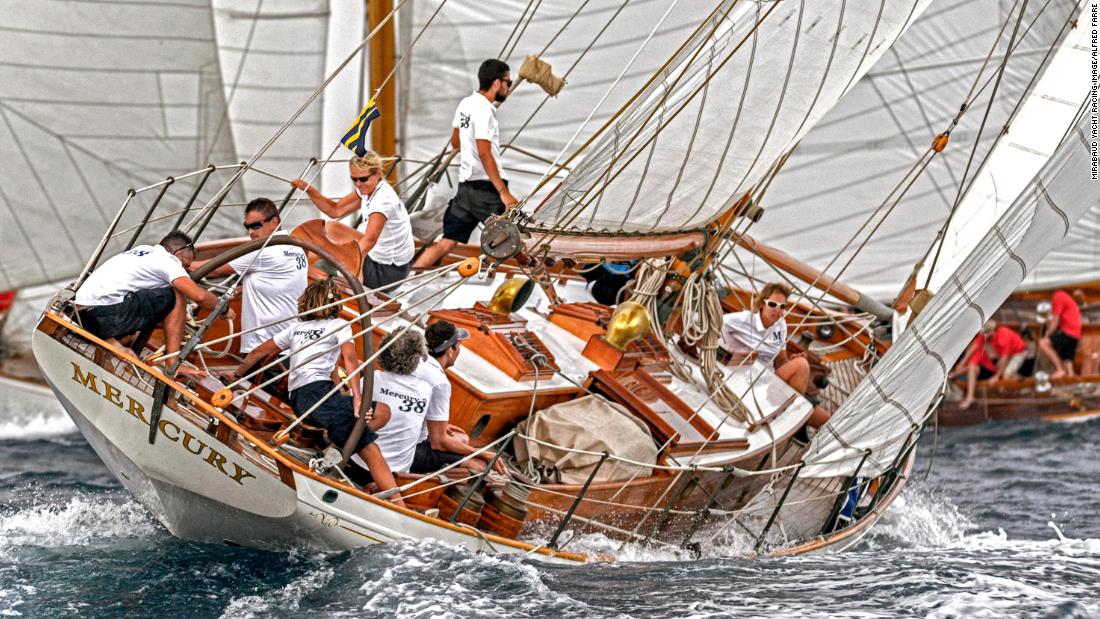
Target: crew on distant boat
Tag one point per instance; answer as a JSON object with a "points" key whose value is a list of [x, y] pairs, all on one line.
{"points": [[273, 278], [387, 241], [996, 353], [1062, 333], [133, 292], [440, 443], [482, 186], [762, 335], [315, 340]]}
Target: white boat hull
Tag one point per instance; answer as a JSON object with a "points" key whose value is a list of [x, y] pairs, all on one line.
{"points": [[204, 490]]}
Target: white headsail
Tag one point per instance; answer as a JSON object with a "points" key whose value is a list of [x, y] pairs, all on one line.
{"points": [[846, 167], [886, 408]]}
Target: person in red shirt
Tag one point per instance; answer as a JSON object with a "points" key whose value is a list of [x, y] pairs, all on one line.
{"points": [[977, 365], [1009, 349], [1063, 331]]}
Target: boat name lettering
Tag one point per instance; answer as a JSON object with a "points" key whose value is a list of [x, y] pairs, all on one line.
{"points": [[191, 444]]}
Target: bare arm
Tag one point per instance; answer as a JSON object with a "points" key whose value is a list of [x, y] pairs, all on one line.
{"points": [[454, 138], [485, 153], [441, 440], [262, 351], [222, 271], [350, 361], [375, 223], [194, 292], [328, 206]]}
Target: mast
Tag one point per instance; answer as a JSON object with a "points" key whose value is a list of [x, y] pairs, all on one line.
{"points": [[383, 136]]}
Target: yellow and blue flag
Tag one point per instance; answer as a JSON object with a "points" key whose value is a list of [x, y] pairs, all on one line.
{"points": [[356, 137]]}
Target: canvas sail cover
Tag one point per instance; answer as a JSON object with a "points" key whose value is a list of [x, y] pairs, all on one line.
{"points": [[893, 400], [740, 92], [846, 167], [588, 424]]}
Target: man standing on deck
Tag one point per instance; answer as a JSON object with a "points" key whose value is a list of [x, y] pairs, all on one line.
{"points": [[135, 291], [273, 277], [1063, 332], [482, 187]]}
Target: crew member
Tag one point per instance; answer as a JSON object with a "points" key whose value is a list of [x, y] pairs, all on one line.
{"points": [[387, 241], [482, 186], [133, 292], [1062, 333]]}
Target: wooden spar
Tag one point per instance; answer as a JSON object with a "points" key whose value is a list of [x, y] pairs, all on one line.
{"points": [[596, 248], [814, 277], [383, 136]]}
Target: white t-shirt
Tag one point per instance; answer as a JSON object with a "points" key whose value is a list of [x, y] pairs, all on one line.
{"points": [[407, 395], [395, 242], [476, 119], [744, 332], [304, 339], [439, 406], [272, 284], [144, 267]]}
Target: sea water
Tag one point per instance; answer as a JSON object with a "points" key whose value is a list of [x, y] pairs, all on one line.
{"points": [[1003, 524]]}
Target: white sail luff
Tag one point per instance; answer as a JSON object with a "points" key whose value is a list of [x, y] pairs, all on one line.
{"points": [[1029, 140], [892, 401]]}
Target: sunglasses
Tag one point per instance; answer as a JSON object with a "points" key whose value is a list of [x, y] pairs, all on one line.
{"points": [[775, 304], [361, 179], [508, 82], [256, 225]]}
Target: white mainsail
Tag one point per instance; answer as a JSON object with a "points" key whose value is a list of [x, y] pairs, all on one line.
{"points": [[890, 404], [850, 162], [738, 95]]}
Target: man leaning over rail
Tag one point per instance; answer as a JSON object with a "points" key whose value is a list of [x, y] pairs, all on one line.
{"points": [[133, 292]]}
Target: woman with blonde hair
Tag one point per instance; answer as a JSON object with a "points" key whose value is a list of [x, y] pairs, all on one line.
{"points": [[315, 341], [387, 241]]}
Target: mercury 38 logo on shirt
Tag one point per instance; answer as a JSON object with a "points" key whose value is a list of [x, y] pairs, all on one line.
{"points": [[138, 252], [310, 334], [464, 120], [408, 403]]}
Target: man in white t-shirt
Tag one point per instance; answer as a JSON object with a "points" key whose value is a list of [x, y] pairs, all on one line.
{"points": [[133, 292], [440, 443], [762, 335], [273, 278], [482, 186], [387, 241]]}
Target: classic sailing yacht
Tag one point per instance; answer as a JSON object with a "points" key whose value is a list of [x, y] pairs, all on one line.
{"points": [[635, 434]]}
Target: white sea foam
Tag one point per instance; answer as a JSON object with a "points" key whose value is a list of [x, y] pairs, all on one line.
{"points": [[76, 523], [281, 601], [431, 579], [25, 415]]}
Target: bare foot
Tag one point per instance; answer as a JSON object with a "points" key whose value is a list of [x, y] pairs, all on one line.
{"points": [[965, 404], [1058, 374]]}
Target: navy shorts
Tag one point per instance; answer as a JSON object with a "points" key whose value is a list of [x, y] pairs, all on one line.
{"points": [[428, 460], [140, 310], [376, 274], [1064, 345], [335, 415], [475, 202]]}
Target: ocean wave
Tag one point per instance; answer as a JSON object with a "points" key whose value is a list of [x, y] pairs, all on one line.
{"points": [[78, 522]]}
